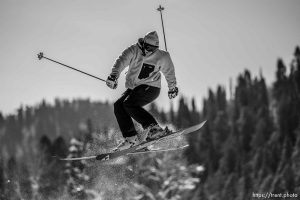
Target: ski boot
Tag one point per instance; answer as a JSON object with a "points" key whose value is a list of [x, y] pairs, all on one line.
{"points": [[127, 143], [153, 132]]}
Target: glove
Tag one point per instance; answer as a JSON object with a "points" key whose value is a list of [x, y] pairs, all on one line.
{"points": [[112, 82], [173, 92]]}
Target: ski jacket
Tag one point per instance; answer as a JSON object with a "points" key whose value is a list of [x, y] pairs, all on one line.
{"points": [[145, 68]]}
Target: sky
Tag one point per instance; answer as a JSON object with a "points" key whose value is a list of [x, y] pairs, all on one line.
{"points": [[210, 41]]}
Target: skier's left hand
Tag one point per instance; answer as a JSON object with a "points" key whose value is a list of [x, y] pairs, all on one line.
{"points": [[173, 92]]}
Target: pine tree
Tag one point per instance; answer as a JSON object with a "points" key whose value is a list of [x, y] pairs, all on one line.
{"points": [[246, 124], [287, 100], [277, 184], [172, 115], [243, 94], [229, 190], [221, 99], [58, 177], [266, 184], [75, 171], [248, 182], [263, 128], [59, 147], [183, 115], [289, 178], [210, 107], [154, 110], [281, 95], [295, 99], [262, 100], [90, 129], [20, 116], [295, 70], [45, 149], [271, 156], [50, 175], [28, 116], [286, 154], [195, 115], [257, 165], [229, 161], [163, 117], [2, 180], [25, 182], [1, 120], [12, 131], [12, 186], [200, 194], [296, 163], [207, 149], [221, 130]]}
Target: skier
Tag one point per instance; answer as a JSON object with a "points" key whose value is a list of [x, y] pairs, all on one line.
{"points": [[143, 83]]}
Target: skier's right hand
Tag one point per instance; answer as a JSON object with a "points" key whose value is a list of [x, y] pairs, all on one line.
{"points": [[111, 82]]}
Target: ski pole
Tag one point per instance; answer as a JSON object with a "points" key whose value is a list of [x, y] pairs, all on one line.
{"points": [[160, 9], [41, 55]]}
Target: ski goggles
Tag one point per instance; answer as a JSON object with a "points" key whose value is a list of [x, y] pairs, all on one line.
{"points": [[149, 47]]}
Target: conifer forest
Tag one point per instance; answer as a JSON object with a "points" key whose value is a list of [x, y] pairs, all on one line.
{"points": [[249, 147]]}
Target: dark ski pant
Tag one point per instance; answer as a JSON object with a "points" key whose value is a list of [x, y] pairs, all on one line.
{"points": [[130, 105]]}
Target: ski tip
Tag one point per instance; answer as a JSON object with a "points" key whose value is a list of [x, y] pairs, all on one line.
{"points": [[198, 126], [203, 122], [56, 157]]}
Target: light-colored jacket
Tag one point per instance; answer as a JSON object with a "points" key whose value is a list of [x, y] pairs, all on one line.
{"points": [[145, 69]]}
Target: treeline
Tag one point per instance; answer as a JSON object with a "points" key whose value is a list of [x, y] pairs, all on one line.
{"points": [[251, 144], [65, 118]]}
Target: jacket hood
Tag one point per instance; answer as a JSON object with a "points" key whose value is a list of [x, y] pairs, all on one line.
{"points": [[152, 38]]}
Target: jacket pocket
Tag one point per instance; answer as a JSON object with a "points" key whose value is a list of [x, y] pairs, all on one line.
{"points": [[146, 70]]}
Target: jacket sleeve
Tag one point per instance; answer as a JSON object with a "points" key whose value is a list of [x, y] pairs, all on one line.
{"points": [[169, 71], [122, 61]]}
